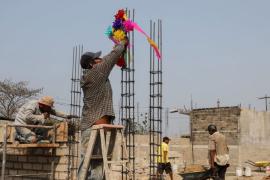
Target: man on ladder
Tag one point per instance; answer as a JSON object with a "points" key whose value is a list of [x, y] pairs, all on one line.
{"points": [[98, 105]]}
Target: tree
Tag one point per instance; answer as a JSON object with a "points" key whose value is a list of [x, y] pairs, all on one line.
{"points": [[141, 127], [13, 95]]}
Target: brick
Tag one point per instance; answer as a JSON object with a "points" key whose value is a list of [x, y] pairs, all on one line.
{"points": [[32, 159], [12, 158], [63, 160], [19, 151], [62, 151], [17, 165], [61, 175], [22, 158], [46, 167], [13, 172], [61, 168], [37, 166], [37, 151], [27, 166], [42, 159], [9, 164], [23, 172]]}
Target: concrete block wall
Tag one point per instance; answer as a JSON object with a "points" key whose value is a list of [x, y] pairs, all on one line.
{"points": [[225, 118], [37, 161]]}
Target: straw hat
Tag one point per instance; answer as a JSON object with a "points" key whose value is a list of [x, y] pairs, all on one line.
{"points": [[46, 100]]}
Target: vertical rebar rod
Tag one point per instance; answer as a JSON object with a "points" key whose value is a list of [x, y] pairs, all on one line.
{"points": [[150, 104], [4, 153], [133, 98], [129, 109], [155, 107], [127, 101], [75, 109]]}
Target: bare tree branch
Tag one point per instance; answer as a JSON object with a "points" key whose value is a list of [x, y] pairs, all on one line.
{"points": [[13, 95]]}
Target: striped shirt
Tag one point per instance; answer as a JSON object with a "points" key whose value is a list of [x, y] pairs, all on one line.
{"points": [[97, 90]]}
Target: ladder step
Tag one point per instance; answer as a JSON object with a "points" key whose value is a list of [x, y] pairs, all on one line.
{"points": [[100, 157], [156, 72], [117, 162], [156, 83]]}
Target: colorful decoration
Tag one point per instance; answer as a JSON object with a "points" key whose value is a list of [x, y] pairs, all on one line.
{"points": [[119, 35], [119, 29]]}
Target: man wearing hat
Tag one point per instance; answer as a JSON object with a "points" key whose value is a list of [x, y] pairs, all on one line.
{"points": [[35, 112], [97, 95]]}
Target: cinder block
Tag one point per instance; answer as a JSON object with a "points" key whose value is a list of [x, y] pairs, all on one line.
{"points": [[27, 166], [32, 159], [12, 158], [37, 166], [22, 158], [62, 151], [61, 168], [42, 159], [17, 165], [62, 175], [13, 172], [23, 172], [46, 167], [9, 164], [63, 160]]}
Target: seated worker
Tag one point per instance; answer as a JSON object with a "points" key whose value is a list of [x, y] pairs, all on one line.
{"points": [[35, 112]]}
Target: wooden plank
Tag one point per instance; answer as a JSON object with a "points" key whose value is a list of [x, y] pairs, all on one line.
{"points": [[104, 155], [118, 162], [111, 142], [33, 145], [100, 157], [86, 162], [9, 135], [107, 126], [62, 132], [117, 150], [31, 126], [125, 153]]}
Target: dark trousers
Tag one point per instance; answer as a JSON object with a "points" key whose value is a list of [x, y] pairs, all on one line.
{"points": [[220, 171]]}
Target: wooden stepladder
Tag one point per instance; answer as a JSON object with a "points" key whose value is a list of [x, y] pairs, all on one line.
{"points": [[113, 150]]}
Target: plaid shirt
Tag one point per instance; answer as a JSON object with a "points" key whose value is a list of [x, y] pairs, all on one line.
{"points": [[97, 89]]}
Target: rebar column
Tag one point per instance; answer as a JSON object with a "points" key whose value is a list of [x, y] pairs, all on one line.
{"points": [[155, 99], [127, 112], [75, 109]]}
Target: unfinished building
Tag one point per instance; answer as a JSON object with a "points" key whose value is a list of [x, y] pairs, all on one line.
{"points": [[247, 133], [58, 160]]}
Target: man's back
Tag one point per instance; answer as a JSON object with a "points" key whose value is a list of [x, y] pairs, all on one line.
{"points": [[217, 141], [27, 108]]}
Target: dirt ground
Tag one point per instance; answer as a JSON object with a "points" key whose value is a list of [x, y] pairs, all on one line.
{"points": [[255, 176]]}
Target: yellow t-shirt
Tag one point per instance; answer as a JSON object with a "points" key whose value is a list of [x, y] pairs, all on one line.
{"points": [[161, 151]]}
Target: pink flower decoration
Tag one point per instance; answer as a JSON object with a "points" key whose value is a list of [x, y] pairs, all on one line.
{"points": [[128, 25]]}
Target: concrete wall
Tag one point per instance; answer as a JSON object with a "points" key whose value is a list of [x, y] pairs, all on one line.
{"points": [[247, 133], [255, 136], [23, 161], [225, 118]]}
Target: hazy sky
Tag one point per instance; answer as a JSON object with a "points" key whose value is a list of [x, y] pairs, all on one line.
{"points": [[211, 49]]}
